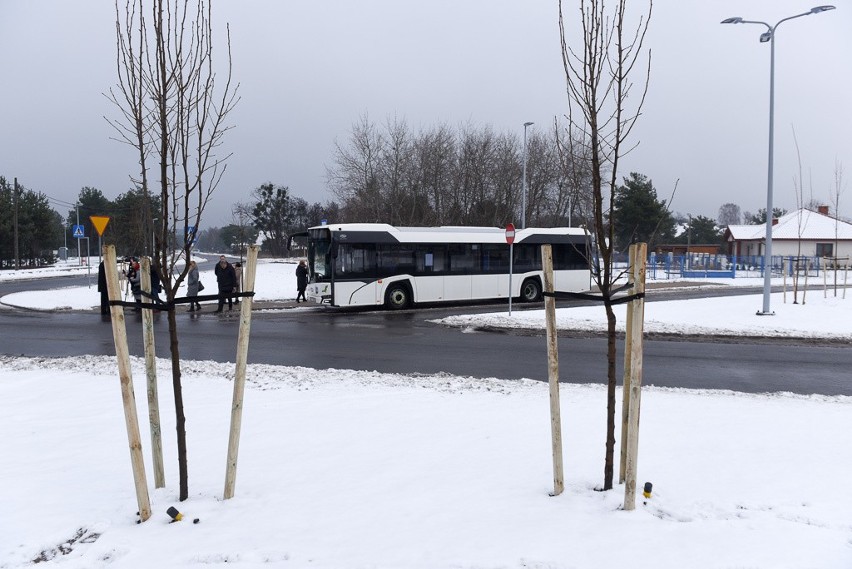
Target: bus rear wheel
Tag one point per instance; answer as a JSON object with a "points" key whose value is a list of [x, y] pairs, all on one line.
{"points": [[531, 290], [397, 297]]}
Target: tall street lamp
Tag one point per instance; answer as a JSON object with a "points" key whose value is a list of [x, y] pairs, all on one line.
{"points": [[524, 192], [769, 36]]}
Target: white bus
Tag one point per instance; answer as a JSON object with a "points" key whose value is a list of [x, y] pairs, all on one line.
{"points": [[369, 264]]}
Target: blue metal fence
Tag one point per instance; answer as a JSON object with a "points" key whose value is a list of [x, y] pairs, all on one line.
{"points": [[706, 265]]}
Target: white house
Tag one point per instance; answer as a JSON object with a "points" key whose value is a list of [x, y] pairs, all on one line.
{"points": [[804, 233]]}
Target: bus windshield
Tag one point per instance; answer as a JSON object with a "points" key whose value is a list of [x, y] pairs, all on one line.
{"points": [[319, 257]]}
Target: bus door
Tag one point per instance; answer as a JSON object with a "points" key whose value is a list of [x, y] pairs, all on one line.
{"points": [[493, 279], [463, 262], [431, 266], [355, 274]]}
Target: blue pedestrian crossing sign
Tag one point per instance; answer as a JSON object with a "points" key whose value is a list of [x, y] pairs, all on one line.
{"points": [[77, 231]]}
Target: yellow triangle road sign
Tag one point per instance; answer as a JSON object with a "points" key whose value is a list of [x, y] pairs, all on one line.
{"points": [[100, 223]]}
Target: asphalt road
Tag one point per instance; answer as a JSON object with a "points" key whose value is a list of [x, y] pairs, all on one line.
{"points": [[407, 342]]}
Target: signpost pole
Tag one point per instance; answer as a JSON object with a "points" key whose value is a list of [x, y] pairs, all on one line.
{"points": [[99, 222], [79, 255], [511, 257], [510, 239]]}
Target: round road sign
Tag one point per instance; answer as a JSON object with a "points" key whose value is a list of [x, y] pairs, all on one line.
{"points": [[510, 233]]}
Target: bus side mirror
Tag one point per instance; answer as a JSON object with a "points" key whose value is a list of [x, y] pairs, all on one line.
{"points": [[333, 249]]}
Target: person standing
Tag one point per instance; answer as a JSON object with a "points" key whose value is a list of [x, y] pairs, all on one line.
{"points": [[135, 280], [226, 278], [102, 288], [301, 281], [155, 284], [193, 286], [238, 271]]}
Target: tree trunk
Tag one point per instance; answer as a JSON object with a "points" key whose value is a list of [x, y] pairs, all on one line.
{"points": [[610, 396], [180, 418]]}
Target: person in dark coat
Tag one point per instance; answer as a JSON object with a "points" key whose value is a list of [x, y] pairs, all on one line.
{"points": [[226, 278], [102, 288], [155, 283], [301, 281]]}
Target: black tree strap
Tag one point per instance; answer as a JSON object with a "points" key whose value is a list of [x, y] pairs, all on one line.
{"points": [[160, 305], [594, 297]]}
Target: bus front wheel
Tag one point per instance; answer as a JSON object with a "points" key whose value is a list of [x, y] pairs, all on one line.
{"points": [[397, 297], [531, 290]]}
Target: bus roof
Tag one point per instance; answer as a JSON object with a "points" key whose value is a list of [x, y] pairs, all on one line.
{"points": [[384, 233]]}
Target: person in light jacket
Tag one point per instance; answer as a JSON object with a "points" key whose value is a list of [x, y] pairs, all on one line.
{"points": [[135, 280], [193, 282], [238, 272]]}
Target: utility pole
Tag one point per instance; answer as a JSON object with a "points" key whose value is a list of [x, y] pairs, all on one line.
{"points": [[524, 184], [15, 199], [242, 239]]}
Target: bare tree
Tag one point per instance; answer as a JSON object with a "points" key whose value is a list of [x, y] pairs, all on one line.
{"points": [[354, 179], [469, 190], [435, 165], [801, 221], [574, 185], [598, 75], [546, 202], [173, 110], [835, 198], [729, 214], [468, 176], [241, 214], [503, 186]]}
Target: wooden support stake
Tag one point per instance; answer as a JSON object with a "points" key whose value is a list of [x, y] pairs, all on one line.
{"points": [[637, 306], [122, 354], [785, 266], [240, 375], [625, 388], [553, 371], [807, 271], [151, 374]]}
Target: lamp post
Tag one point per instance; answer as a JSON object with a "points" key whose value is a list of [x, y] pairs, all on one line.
{"points": [[769, 36], [524, 191], [154, 221]]}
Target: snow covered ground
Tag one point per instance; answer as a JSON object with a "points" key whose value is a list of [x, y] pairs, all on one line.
{"points": [[345, 469], [822, 315], [275, 281]]}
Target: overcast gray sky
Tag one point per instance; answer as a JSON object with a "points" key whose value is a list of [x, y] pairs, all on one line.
{"points": [[308, 69]]}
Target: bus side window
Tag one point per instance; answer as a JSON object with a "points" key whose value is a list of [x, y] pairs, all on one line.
{"points": [[355, 260], [569, 257], [430, 259], [527, 257], [395, 259], [464, 258], [495, 258], [439, 259]]}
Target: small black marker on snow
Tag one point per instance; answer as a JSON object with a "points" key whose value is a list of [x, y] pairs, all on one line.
{"points": [[177, 516]]}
